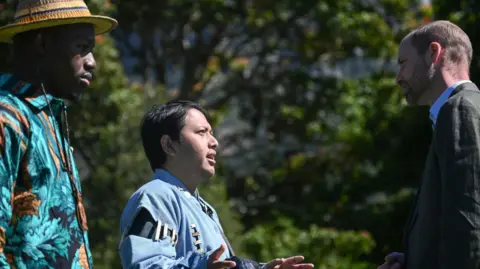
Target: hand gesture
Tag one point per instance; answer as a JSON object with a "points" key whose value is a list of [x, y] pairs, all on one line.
{"points": [[214, 263], [288, 263], [394, 260]]}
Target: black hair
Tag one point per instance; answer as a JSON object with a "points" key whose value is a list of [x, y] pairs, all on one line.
{"points": [[167, 119]]}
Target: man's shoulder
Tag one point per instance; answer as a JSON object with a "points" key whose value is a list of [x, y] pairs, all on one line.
{"points": [[468, 97], [10, 103], [11, 92], [155, 192], [10, 100], [154, 195], [15, 113], [462, 106], [157, 188]]}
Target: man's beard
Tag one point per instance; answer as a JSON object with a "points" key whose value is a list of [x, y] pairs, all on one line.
{"points": [[423, 82], [431, 73]]}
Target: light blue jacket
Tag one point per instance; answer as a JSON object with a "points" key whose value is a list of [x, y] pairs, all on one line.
{"points": [[186, 235]]}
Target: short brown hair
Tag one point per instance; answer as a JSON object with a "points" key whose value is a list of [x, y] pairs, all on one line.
{"points": [[451, 37]]}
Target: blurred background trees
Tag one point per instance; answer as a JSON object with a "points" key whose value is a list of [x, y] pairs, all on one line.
{"points": [[319, 154]]}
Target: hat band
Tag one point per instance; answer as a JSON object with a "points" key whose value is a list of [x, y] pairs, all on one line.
{"points": [[29, 7], [60, 13]]}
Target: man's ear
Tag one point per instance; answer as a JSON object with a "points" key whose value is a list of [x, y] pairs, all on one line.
{"points": [[434, 53], [167, 145]]}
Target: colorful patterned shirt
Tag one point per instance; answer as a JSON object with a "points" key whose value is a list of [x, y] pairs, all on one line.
{"points": [[39, 227]]}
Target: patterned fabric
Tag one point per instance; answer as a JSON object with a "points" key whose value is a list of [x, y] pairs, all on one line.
{"points": [[39, 227]]}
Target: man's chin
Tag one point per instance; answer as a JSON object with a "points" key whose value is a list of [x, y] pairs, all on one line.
{"points": [[208, 172], [411, 99], [73, 98]]}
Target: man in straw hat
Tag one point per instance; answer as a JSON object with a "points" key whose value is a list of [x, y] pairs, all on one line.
{"points": [[42, 218]]}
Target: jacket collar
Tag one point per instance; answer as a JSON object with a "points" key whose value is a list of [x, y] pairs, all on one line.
{"points": [[443, 98], [463, 86], [164, 175]]}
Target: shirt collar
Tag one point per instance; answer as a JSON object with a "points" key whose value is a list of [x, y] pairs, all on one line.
{"points": [[165, 176], [31, 93], [435, 109]]}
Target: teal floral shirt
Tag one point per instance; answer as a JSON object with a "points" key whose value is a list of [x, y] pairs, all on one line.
{"points": [[41, 225]]}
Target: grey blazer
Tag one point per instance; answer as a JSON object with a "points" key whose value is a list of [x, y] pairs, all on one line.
{"points": [[443, 230]]}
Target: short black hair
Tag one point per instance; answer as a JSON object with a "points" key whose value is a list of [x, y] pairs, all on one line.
{"points": [[167, 119]]}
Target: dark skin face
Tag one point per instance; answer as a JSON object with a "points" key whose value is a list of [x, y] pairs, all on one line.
{"points": [[66, 63]]}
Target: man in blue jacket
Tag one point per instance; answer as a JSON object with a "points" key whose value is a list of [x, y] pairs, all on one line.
{"points": [[166, 224]]}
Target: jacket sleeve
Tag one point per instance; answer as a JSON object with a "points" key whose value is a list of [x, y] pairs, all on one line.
{"points": [[457, 141], [144, 247], [13, 144]]}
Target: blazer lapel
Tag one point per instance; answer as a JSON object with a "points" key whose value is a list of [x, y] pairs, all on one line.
{"points": [[412, 216], [414, 209], [408, 227]]}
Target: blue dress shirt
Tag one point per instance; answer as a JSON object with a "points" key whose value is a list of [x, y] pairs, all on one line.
{"points": [[435, 109]]}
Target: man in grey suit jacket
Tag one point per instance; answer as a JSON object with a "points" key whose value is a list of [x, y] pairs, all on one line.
{"points": [[443, 230]]}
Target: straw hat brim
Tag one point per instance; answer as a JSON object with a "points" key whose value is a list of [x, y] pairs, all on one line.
{"points": [[102, 25]]}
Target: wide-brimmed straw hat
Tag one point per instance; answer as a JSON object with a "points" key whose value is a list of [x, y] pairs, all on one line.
{"points": [[37, 14]]}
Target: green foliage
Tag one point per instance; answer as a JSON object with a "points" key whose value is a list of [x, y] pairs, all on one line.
{"points": [[326, 248], [315, 163]]}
